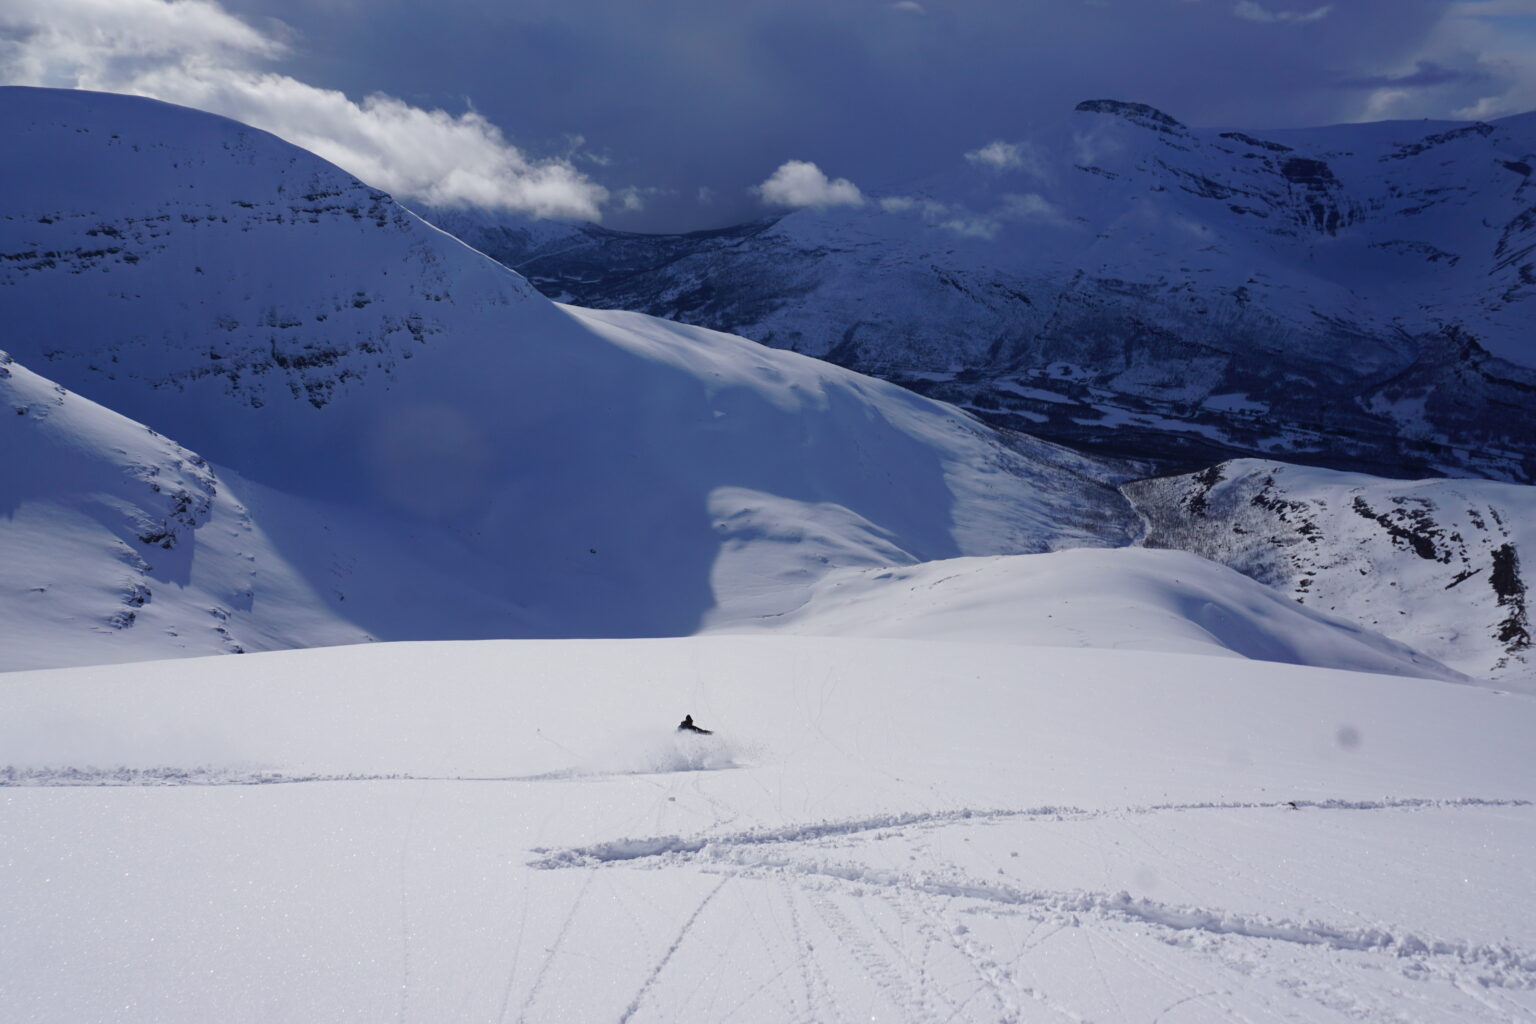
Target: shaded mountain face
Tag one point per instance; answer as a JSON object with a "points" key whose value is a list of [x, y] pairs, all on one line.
{"points": [[1358, 296], [1436, 564], [364, 428]]}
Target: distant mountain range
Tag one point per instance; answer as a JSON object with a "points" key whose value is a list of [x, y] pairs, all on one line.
{"points": [[1359, 296]]}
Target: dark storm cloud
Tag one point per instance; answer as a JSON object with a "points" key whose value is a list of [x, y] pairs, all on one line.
{"points": [[668, 101], [686, 93], [1426, 75]]}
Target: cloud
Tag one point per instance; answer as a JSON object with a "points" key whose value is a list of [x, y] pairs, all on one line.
{"points": [[1477, 63], [1031, 207], [1426, 74], [1252, 11], [195, 53], [1013, 157], [1014, 208], [799, 183], [910, 6], [998, 155]]}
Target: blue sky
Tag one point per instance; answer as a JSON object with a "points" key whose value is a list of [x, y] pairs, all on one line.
{"points": [[663, 114]]}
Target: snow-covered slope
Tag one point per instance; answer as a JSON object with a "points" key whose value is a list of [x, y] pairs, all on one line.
{"points": [[879, 829], [120, 544], [433, 446], [1127, 599], [1435, 564], [1359, 296]]}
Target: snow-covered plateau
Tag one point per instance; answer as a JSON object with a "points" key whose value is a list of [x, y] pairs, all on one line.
{"points": [[1002, 733]]}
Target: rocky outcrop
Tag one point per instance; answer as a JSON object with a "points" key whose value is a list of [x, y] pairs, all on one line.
{"points": [[1435, 563]]}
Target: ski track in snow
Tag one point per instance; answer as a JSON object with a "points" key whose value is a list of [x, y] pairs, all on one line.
{"points": [[920, 901], [11, 776], [914, 897], [671, 950], [638, 848]]}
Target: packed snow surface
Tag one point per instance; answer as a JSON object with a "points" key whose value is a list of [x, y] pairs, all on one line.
{"points": [[877, 830]]}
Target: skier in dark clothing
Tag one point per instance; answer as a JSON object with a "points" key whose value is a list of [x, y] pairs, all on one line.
{"points": [[686, 725]]}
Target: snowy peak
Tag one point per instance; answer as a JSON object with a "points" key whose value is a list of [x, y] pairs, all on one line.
{"points": [[230, 261], [1139, 114]]}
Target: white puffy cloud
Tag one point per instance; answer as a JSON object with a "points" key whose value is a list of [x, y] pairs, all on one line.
{"points": [[1252, 11], [1012, 157], [998, 155], [195, 53], [800, 183]]}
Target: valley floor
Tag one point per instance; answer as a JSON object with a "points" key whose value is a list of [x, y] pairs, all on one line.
{"points": [[878, 830]]}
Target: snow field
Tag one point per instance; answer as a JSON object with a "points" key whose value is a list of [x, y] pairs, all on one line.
{"points": [[913, 830]]}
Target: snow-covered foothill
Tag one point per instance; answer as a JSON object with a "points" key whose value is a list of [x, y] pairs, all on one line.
{"points": [[885, 829], [1435, 564], [1125, 599]]}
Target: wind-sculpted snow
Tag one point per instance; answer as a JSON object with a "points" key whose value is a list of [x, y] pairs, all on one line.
{"points": [[1434, 563], [1357, 296], [430, 449]]}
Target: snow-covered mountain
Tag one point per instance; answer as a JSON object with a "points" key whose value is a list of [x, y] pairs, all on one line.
{"points": [[1359, 296], [1436, 564], [434, 448]]}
